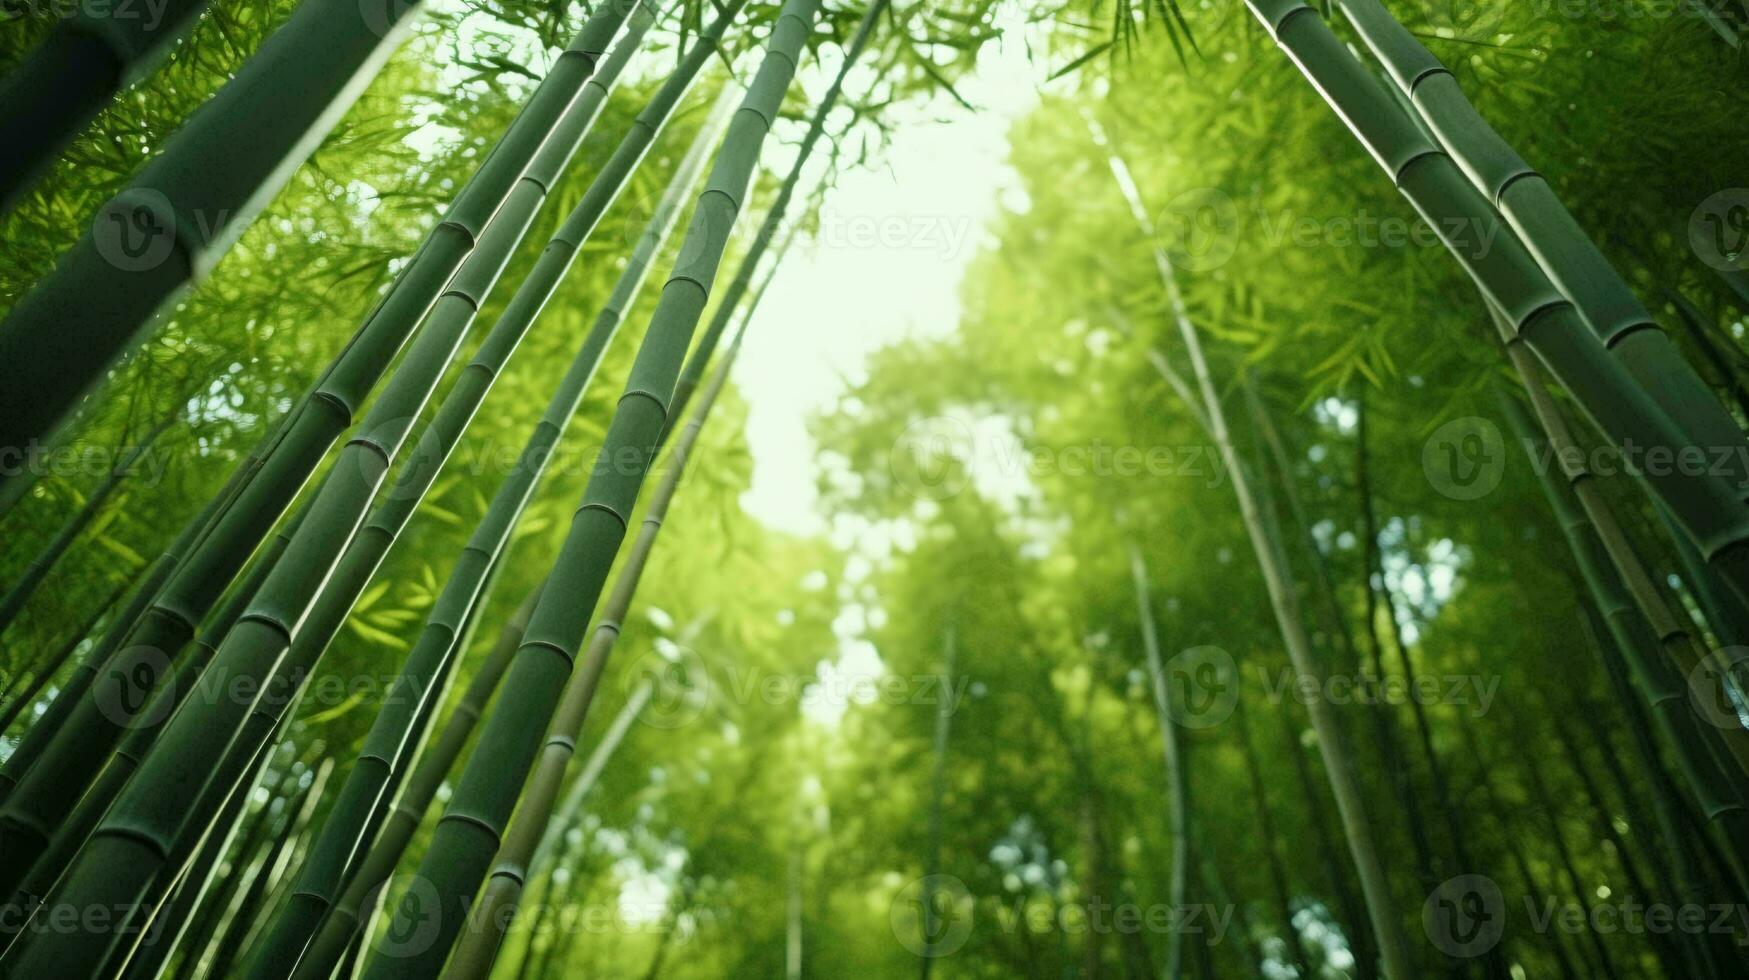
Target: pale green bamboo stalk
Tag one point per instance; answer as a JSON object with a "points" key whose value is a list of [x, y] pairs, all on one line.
{"points": [[1284, 600], [469, 833]]}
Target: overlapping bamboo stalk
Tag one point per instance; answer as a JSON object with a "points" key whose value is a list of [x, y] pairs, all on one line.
{"points": [[469, 834]]}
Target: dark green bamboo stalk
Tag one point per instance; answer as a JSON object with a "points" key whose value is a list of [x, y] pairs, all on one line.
{"points": [[44, 730], [298, 811], [518, 860], [1709, 508], [1674, 640], [345, 921], [386, 745], [70, 77], [1637, 644], [272, 476], [38, 569], [168, 931], [774, 218], [478, 947], [259, 643], [71, 834], [187, 206], [469, 833], [1561, 247], [1282, 893], [51, 666]]}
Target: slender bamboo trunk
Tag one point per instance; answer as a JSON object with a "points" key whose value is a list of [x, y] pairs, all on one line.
{"points": [[51, 667], [937, 799], [173, 924], [1636, 643], [1357, 930], [1672, 951], [1283, 894], [1561, 248], [1493, 963], [515, 175], [1546, 802], [184, 209], [93, 664], [347, 919], [1177, 785], [38, 569], [1673, 638], [239, 931], [320, 879], [1514, 844], [1709, 508], [1691, 887], [466, 838], [476, 949], [77, 828], [1284, 600]]}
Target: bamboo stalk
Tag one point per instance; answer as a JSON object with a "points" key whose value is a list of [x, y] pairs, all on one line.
{"points": [[38, 568], [346, 920], [1709, 508], [186, 207], [470, 831], [386, 746], [1284, 600], [1561, 248], [1636, 643], [265, 632], [518, 854]]}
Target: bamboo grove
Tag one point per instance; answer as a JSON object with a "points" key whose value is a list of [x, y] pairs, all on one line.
{"points": [[1271, 567]]}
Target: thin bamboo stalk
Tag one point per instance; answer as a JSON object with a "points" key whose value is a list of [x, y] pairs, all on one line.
{"points": [[72, 834], [478, 946], [38, 568], [470, 831], [346, 920], [1637, 644], [1177, 785], [1284, 600], [51, 667], [265, 633], [1675, 641], [387, 744]]}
